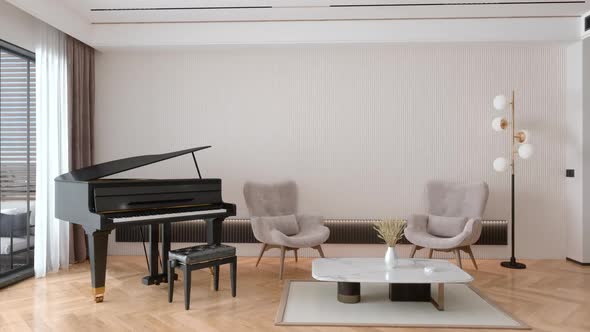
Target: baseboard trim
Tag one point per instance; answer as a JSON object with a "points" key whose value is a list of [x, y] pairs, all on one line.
{"points": [[577, 262], [342, 231]]}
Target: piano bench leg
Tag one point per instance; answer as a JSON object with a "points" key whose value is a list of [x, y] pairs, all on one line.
{"points": [[216, 277], [171, 274], [233, 276], [187, 286], [188, 268]]}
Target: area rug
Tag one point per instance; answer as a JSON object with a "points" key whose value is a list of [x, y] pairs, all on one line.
{"points": [[314, 303]]}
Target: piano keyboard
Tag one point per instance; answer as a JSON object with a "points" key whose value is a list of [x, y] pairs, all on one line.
{"points": [[157, 217]]}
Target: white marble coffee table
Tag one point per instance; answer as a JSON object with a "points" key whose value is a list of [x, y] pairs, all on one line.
{"points": [[407, 282]]}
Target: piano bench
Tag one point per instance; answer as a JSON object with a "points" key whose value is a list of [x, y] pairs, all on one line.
{"points": [[199, 257]]}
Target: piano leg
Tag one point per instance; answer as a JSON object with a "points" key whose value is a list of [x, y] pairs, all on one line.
{"points": [[98, 241], [166, 239], [156, 277], [154, 237], [166, 232], [154, 251], [214, 228]]}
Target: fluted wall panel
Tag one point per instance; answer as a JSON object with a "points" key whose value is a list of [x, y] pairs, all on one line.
{"points": [[360, 128]]}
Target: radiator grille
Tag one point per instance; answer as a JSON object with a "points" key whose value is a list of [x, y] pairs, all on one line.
{"points": [[345, 231]]}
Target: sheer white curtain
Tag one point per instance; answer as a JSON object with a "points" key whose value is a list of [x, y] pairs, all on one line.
{"points": [[51, 234]]}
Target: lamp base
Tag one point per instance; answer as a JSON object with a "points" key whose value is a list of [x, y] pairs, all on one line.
{"points": [[513, 264]]}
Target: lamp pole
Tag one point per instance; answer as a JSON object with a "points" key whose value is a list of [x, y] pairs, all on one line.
{"points": [[513, 264]]}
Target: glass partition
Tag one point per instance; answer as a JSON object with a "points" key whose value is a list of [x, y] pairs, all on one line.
{"points": [[17, 162]]}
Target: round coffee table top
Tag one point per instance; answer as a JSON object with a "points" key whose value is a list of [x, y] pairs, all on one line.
{"points": [[374, 270]]}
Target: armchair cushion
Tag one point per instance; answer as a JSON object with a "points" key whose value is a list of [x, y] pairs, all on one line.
{"points": [[285, 224], [468, 236], [308, 237], [446, 226], [417, 222]]}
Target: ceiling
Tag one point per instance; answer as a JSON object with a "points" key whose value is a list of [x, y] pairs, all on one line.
{"points": [[106, 24], [101, 12]]}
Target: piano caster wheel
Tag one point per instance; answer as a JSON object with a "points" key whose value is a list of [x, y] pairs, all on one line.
{"points": [[99, 298]]}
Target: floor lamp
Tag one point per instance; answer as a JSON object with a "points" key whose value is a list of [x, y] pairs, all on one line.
{"points": [[520, 147]]}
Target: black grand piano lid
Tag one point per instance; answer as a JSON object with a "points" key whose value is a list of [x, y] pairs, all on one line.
{"points": [[121, 165]]}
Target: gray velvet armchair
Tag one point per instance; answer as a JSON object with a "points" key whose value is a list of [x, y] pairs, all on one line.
{"points": [[453, 222], [275, 222]]}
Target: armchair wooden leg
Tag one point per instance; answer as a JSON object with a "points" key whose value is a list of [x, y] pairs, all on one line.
{"points": [[295, 251], [319, 249], [430, 253], [458, 257], [470, 253], [413, 252], [283, 249], [262, 250]]}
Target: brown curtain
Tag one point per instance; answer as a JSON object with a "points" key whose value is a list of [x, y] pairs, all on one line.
{"points": [[80, 59]]}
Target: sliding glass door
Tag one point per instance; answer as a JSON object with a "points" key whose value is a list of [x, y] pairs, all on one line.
{"points": [[17, 162]]}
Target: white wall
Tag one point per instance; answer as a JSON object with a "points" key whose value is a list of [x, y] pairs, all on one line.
{"points": [[586, 151], [578, 152], [574, 154], [18, 27], [360, 128]]}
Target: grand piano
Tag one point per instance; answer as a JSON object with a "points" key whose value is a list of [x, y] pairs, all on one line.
{"points": [[100, 205]]}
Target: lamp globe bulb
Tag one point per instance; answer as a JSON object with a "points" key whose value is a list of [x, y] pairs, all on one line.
{"points": [[525, 151], [500, 164], [500, 102], [499, 123]]}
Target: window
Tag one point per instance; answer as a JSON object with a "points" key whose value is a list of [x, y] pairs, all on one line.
{"points": [[17, 126], [17, 162]]}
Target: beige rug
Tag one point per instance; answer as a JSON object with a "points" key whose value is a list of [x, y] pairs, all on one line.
{"points": [[314, 303]]}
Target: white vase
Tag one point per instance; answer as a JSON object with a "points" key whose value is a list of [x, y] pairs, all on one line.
{"points": [[390, 258]]}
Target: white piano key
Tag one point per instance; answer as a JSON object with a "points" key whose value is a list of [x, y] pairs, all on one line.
{"points": [[195, 214]]}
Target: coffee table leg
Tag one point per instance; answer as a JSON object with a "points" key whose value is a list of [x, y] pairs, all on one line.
{"points": [[409, 292], [439, 302], [349, 292]]}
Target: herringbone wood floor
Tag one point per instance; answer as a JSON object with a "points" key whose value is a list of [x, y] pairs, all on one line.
{"points": [[549, 296]]}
